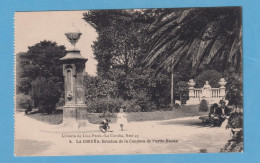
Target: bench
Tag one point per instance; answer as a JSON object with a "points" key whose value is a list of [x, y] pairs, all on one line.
{"points": [[205, 119]]}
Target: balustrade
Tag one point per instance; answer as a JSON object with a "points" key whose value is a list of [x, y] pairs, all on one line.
{"points": [[212, 95]]}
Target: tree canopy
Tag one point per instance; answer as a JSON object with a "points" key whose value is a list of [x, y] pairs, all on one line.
{"points": [[188, 40], [164, 38], [41, 75], [206, 37]]}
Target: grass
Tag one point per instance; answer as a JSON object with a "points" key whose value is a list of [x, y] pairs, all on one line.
{"points": [[96, 118], [53, 119]]}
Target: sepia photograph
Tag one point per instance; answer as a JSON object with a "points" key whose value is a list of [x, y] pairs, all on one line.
{"points": [[128, 81]]}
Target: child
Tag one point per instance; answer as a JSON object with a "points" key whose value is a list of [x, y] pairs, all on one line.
{"points": [[121, 118], [104, 125]]}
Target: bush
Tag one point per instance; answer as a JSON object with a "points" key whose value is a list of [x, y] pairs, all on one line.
{"points": [[203, 106], [46, 91], [24, 102], [102, 105], [177, 105], [235, 120], [132, 106], [148, 106]]}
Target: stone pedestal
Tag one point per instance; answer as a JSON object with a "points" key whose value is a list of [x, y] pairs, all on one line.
{"points": [[222, 88], [191, 100], [75, 117]]}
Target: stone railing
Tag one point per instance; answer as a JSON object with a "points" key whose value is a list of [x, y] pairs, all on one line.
{"points": [[211, 95]]}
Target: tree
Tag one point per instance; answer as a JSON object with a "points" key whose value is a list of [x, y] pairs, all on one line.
{"points": [[206, 37], [187, 41], [234, 88], [120, 38], [41, 73], [46, 91], [119, 50], [148, 87], [182, 90], [212, 76]]}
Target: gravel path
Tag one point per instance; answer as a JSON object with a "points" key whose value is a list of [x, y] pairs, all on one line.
{"points": [[183, 135]]}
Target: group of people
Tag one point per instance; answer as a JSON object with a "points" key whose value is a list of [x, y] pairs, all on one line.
{"points": [[218, 114], [121, 120]]}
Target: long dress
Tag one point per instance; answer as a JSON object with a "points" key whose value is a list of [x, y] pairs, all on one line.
{"points": [[121, 118]]}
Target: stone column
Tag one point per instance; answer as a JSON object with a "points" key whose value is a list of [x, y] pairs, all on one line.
{"points": [[222, 88], [191, 84]]}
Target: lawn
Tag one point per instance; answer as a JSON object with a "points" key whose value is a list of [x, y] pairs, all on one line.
{"points": [[53, 119], [95, 118]]}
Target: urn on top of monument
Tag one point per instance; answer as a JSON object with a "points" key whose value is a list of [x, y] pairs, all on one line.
{"points": [[73, 35], [73, 71]]}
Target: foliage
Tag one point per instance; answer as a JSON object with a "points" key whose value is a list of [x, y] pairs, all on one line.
{"points": [[47, 92], [40, 75], [203, 106], [235, 120], [235, 144], [119, 49], [206, 37], [212, 76], [132, 106], [234, 92], [181, 89], [234, 88], [137, 49], [102, 105], [141, 86], [24, 102], [121, 35], [97, 87], [146, 87]]}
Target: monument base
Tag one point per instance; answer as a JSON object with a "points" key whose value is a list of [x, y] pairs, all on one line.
{"points": [[193, 101], [75, 117], [196, 101]]}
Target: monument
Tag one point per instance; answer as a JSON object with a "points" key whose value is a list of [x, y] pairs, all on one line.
{"points": [[73, 69], [211, 95]]}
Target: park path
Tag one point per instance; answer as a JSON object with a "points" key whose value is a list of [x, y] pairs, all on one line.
{"points": [[35, 138]]}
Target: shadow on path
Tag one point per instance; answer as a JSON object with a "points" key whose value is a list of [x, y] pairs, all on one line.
{"points": [[30, 147], [184, 122]]}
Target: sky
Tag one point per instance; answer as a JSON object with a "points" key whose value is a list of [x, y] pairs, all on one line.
{"points": [[33, 27]]}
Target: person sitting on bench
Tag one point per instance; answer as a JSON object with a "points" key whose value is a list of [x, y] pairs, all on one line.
{"points": [[214, 115]]}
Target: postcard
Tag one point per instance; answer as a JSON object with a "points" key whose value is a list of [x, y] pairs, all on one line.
{"points": [[130, 81]]}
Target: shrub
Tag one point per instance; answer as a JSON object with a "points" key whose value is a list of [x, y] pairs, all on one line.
{"points": [[203, 106], [235, 120], [24, 102], [148, 106], [177, 105], [132, 106], [47, 92], [101, 105]]}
